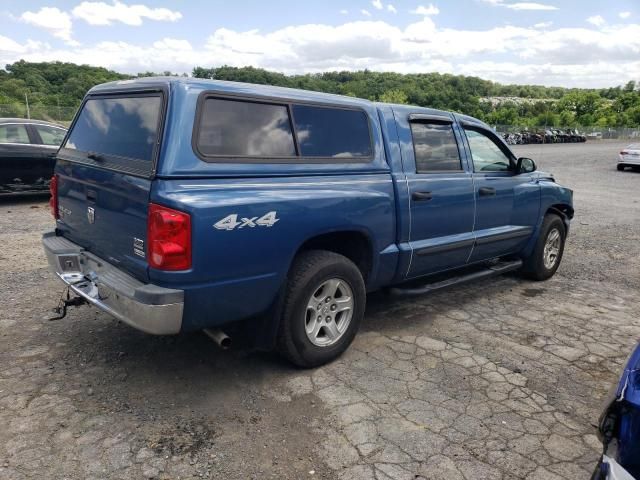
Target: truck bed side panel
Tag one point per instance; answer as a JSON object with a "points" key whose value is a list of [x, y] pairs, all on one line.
{"points": [[239, 266]]}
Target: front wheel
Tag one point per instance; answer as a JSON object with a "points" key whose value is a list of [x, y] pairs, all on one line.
{"points": [[323, 307], [547, 254], [620, 167]]}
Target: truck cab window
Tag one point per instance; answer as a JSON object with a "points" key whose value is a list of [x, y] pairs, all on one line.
{"points": [[487, 155], [435, 147]]}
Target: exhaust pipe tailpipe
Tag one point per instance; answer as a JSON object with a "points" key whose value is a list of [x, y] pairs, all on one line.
{"points": [[222, 339]]}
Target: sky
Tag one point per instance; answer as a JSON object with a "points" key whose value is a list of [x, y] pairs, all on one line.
{"points": [[570, 43]]}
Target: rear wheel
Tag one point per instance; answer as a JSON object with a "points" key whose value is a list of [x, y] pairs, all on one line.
{"points": [[547, 254], [323, 307], [620, 167]]}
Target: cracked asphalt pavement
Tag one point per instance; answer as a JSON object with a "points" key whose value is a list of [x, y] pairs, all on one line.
{"points": [[500, 379]]}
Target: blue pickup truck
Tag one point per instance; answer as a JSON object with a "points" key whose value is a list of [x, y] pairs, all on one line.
{"points": [[185, 204]]}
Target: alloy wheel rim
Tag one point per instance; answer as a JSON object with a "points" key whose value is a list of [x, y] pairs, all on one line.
{"points": [[552, 249], [329, 312]]}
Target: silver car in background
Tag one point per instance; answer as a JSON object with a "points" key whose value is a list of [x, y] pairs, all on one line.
{"points": [[629, 156]]}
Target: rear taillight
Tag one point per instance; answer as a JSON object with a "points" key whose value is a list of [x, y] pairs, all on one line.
{"points": [[53, 200], [168, 238]]}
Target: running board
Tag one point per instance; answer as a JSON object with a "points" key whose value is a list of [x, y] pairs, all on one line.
{"points": [[489, 271]]}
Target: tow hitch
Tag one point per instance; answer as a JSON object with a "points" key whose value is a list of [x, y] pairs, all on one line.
{"points": [[60, 311]]}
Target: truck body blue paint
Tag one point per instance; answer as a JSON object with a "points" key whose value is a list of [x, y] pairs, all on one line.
{"points": [[238, 273]]}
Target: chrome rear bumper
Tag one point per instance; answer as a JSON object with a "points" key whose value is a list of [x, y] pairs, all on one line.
{"points": [[147, 307]]}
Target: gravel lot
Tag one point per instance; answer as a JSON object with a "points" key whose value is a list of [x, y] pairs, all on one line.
{"points": [[499, 379]]}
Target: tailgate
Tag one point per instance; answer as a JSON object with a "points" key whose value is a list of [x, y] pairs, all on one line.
{"points": [[104, 174]]}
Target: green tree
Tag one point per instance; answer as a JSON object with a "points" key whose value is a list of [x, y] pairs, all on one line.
{"points": [[394, 96]]}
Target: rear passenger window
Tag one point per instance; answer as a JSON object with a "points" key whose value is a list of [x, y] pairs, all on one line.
{"points": [[435, 147], [242, 128], [332, 132], [13, 133], [50, 135]]}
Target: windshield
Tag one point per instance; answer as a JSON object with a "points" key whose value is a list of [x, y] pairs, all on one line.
{"points": [[118, 126]]}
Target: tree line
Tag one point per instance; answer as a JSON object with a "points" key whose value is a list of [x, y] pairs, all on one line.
{"points": [[64, 85]]}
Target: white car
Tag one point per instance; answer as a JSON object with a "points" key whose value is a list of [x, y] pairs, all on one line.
{"points": [[629, 156]]}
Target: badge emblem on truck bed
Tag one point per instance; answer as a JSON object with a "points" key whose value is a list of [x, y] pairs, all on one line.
{"points": [[230, 222], [91, 214]]}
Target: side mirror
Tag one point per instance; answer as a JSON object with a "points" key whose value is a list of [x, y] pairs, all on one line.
{"points": [[525, 165]]}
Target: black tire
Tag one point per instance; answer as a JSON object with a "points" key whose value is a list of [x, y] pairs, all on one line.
{"points": [[309, 271], [534, 266], [620, 167]]}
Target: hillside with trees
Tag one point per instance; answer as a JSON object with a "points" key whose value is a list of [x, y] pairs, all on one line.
{"points": [[62, 85]]}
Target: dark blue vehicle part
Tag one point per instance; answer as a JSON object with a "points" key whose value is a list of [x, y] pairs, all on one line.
{"points": [[229, 263], [507, 203], [181, 159], [621, 417], [441, 204], [250, 218], [119, 205]]}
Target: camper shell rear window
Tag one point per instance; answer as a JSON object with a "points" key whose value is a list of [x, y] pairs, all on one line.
{"points": [[117, 131], [231, 129]]}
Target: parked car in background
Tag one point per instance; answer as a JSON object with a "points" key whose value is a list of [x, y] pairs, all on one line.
{"points": [[27, 154], [619, 426], [594, 136], [185, 204], [549, 136], [629, 157], [575, 136]]}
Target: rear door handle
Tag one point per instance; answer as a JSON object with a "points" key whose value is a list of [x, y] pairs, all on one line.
{"points": [[92, 195], [421, 196], [487, 191]]}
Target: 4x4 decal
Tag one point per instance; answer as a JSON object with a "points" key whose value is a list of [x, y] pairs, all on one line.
{"points": [[230, 222]]}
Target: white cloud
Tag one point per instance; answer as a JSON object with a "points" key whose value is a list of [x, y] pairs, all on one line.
{"points": [[521, 5], [173, 44], [366, 13], [588, 56], [422, 10], [391, 8], [344, 12], [530, 6], [543, 25], [53, 20], [596, 20], [101, 13], [9, 46], [624, 15], [377, 4]]}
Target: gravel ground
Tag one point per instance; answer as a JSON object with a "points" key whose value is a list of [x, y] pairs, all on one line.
{"points": [[499, 379]]}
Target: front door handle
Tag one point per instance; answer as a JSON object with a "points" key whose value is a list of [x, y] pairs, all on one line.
{"points": [[421, 196], [487, 191]]}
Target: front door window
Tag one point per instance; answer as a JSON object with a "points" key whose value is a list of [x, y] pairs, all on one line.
{"points": [[487, 155]]}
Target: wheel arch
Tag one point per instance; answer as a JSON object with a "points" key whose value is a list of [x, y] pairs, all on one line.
{"points": [[356, 245], [563, 210]]}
